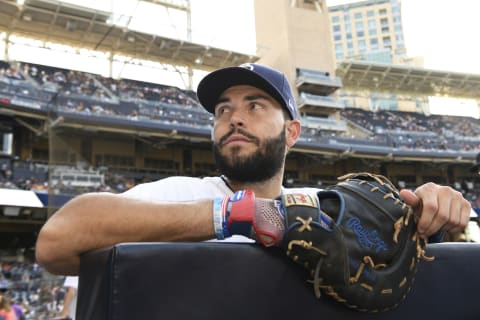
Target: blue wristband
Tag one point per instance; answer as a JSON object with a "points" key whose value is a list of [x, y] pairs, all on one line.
{"points": [[218, 219], [226, 214]]}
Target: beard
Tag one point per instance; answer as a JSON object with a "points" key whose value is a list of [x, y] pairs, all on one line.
{"points": [[260, 166]]}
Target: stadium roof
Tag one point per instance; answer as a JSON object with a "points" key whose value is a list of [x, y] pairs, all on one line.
{"points": [[410, 80], [80, 27]]}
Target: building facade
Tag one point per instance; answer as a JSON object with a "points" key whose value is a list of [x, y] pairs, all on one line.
{"points": [[368, 30], [372, 31]]}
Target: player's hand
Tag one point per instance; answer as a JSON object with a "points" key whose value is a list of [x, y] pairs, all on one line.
{"points": [[440, 208]]}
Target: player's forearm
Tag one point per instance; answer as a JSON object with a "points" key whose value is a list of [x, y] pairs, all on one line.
{"points": [[93, 221]]}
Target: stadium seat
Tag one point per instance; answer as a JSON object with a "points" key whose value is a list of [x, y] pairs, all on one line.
{"points": [[244, 281]]}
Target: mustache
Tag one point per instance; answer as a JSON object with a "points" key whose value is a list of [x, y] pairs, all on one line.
{"points": [[238, 131]]}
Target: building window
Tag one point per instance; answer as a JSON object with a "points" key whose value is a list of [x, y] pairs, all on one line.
{"points": [[358, 15], [382, 12], [338, 47], [337, 37], [359, 26], [335, 19], [361, 45], [337, 28], [387, 42], [339, 56], [372, 27], [374, 43], [370, 13]]}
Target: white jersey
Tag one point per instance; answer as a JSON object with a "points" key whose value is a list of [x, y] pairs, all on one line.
{"points": [[178, 189]]}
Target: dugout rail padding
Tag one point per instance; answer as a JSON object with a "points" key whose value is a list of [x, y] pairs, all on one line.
{"points": [[233, 281]]}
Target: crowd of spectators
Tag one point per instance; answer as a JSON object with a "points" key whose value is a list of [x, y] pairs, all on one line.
{"points": [[137, 91], [90, 94], [410, 130], [38, 295], [28, 175], [76, 83], [10, 72]]}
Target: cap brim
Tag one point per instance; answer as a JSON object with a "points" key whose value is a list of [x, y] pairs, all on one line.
{"points": [[214, 84]]}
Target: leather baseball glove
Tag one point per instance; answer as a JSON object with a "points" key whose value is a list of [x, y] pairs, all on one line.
{"points": [[358, 240]]}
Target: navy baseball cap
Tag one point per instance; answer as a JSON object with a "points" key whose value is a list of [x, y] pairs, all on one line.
{"points": [[264, 78]]}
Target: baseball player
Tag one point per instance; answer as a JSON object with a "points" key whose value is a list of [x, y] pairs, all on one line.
{"points": [[255, 124]]}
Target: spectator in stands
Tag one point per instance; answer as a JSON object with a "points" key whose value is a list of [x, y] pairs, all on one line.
{"points": [[256, 123], [6, 310], [70, 300], [19, 311]]}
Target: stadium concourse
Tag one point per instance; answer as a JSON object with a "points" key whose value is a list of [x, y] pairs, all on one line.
{"points": [[40, 99]]}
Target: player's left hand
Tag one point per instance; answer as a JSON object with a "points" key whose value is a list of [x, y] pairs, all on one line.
{"points": [[440, 208]]}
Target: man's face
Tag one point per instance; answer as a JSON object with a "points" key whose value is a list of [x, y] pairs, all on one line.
{"points": [[249, 135], [259, 166]]}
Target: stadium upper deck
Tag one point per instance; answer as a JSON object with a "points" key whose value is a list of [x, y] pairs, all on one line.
{"points": [[82, 99]]}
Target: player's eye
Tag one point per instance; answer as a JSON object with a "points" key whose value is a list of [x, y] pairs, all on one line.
{"points": [[220, 110], [255, 105]]}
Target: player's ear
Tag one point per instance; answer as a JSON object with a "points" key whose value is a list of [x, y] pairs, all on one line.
{"points": [[293, 130]]}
